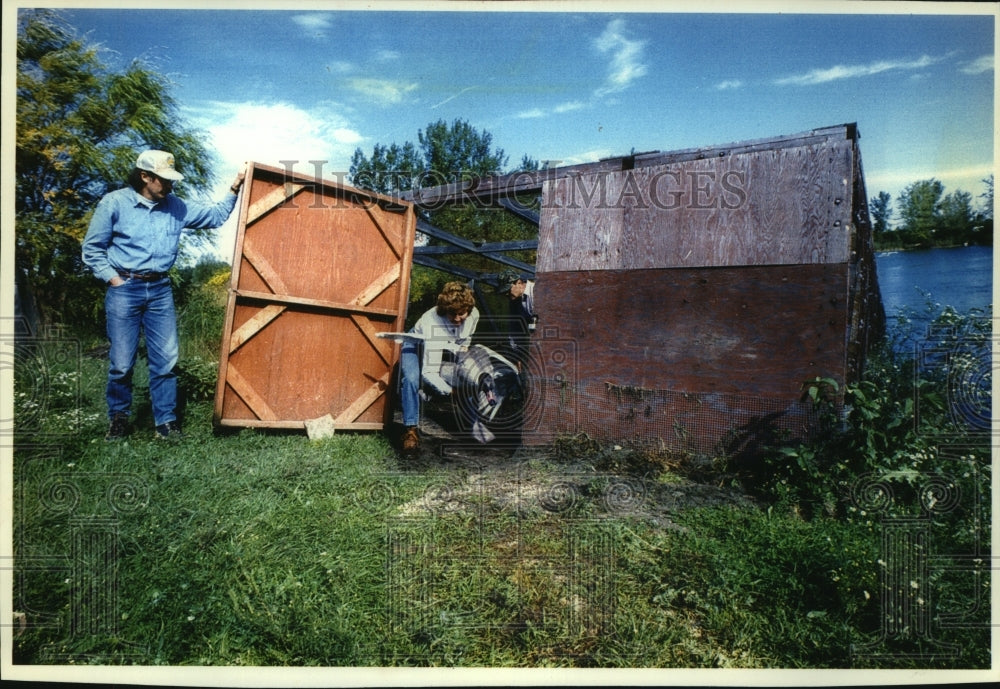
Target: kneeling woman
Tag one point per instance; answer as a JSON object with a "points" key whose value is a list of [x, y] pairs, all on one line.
{"points": [[449, 326]]}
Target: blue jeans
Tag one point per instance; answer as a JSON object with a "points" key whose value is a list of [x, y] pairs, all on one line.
{"points": [[148, 307], [409, 372]]}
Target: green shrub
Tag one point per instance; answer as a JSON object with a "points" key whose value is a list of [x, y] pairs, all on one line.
{"points": [[895, 421], [200, 320], [197, 377]]}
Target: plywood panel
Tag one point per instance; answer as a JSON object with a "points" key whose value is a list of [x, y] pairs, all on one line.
{"points": [[581, 226], [772, 207], [319, 270], [753, 333]]}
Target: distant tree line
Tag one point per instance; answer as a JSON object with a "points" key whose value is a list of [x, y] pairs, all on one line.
{"points": [[929, 218]]}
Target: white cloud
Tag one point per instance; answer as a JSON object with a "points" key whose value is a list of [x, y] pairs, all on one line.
{"points": [[270, 133], [537, 113], [626, 58], [387, 55], [315, 24], [967, 178], [341, 66], [978, 66], [728, 84], [590, 156], [346, 136], [837, 72], [382, 91]]}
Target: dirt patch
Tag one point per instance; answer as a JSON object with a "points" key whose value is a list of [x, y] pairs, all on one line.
{"points": [[608, 482]]}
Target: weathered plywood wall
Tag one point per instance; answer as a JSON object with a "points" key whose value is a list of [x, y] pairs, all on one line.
{"points": [[728, 278], [774, 207], [319, 270]]}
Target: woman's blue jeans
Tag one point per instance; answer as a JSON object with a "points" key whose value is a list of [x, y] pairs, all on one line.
{"points": [[409, 372], [146, 307]]}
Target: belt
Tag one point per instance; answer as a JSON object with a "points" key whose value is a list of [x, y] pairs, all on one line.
{"points": [[145, 277]]}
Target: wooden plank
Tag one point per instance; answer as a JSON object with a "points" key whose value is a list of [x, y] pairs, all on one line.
{"points": [[343, 193], [242, 387], [224, 349], [308, 364], [352, 412], [315, 303], [272, 200], [409, 233], [296, 425], [243, 203], [380, 284], [868, 322], [383, 347], [254, 325], [335, 266], [266, 271], [582, 226], [758, 330], [378, 219]]}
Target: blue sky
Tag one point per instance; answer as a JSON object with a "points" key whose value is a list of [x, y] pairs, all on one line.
{"points": [[573, 83]]}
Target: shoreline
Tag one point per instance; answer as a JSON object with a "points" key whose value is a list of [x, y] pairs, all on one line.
{"points": [[893, 249]]}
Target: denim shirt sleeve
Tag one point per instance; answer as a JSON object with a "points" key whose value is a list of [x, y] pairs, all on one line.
{"points": [[199, 217], [98, 239]]}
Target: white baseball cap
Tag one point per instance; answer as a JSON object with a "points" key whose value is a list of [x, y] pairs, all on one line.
{"points": [[160, 163]]}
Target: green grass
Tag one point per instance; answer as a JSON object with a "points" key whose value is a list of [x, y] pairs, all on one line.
{"points": [[266, 548]]}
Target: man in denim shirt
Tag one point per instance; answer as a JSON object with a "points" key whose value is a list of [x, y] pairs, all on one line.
{"points": [[131, 243]]}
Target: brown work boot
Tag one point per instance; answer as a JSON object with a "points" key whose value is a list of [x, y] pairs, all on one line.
{"points": [[411, 441]]}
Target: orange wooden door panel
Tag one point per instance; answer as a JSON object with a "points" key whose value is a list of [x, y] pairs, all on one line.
{"points": [[319, 269]]}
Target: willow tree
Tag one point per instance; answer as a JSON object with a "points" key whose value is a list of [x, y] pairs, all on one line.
{"points": [[80, 125]]}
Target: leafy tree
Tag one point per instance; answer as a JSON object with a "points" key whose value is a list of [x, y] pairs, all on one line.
{"points": [[987, 197], [80, 126], [918, 211], [881, 210], [445, 153], [458, 152], [955, 217], [528, 164], [391, 168]]}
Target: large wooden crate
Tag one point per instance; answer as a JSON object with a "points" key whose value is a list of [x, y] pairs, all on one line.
{"points": [[319, 269], [688, 295]]}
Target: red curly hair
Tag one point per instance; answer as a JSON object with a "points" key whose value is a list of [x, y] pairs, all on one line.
{"points": [[456, 298]]}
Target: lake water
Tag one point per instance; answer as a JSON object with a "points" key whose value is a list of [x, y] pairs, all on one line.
{"points": [[961, 278]]}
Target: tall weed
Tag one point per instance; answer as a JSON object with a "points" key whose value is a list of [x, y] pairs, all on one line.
{"points": [[918, 397]]}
